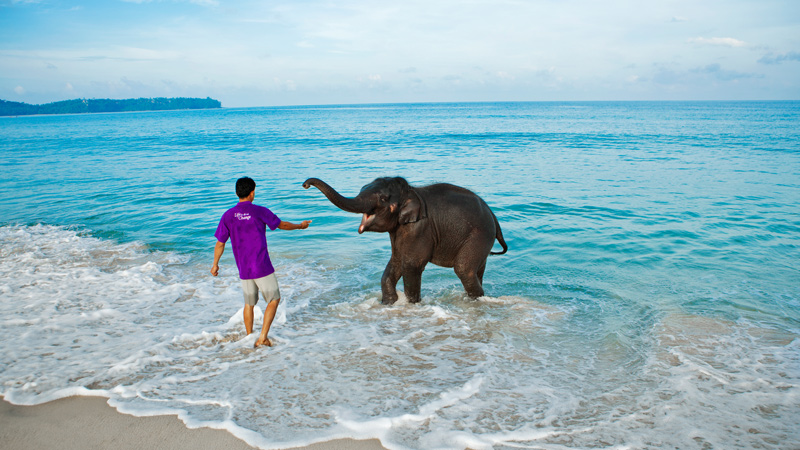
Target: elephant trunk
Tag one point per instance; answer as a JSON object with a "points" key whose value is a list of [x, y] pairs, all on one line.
{"points": [[353, 205]]}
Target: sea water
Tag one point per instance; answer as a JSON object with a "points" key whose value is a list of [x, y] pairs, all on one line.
{"points": [[650, 296]]}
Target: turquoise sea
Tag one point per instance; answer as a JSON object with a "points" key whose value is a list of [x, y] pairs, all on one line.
{"points": [[650, 297]]}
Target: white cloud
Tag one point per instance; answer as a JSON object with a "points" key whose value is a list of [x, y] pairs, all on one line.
{"points": [[285, 85], [505, 76], [196, 2], [717, 72], [19, 90], [726, 42], [778, 59]]}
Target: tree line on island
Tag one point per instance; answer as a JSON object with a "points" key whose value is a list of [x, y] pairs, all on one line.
{"points": [[80, 106]]}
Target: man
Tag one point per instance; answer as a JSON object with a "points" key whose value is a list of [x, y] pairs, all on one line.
{"points": [[245, 224]]}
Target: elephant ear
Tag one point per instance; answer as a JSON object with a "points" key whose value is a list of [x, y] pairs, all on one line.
{"points": [[412, 209]]}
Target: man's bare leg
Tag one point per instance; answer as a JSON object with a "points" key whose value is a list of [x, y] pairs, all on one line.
{"points": [[248, 318], [269, 316]]}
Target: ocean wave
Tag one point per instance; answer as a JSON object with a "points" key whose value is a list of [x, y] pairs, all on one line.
{"points": [[156, 335]]}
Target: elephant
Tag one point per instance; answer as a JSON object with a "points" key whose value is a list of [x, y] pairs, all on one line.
{"points": [[443, 224]]}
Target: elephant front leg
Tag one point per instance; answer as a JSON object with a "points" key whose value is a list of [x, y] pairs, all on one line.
{"points": [[412, 285], [391, 275]]}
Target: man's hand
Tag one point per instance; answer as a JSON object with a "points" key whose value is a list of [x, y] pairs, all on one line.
{"points": [[219, 249], [294, 226]]}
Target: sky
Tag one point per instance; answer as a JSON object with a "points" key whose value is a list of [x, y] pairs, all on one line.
{"points": [[249, 53]]}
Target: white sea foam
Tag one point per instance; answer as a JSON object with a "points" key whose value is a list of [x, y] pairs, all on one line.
{"points": [[155, 334]]}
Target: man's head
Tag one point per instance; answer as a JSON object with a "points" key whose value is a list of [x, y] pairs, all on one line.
{"points": [[244, 186]]}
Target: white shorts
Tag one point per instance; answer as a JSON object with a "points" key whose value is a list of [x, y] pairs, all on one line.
{"points": [[268, 286]]}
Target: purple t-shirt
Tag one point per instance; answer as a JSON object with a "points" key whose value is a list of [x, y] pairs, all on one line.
{"points": [[246, 224]]}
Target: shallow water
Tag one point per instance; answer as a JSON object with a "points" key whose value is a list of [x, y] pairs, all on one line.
{"points": [[650, 297]]}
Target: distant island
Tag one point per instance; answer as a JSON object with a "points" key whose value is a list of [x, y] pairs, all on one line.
{"points": [[81, 106]]}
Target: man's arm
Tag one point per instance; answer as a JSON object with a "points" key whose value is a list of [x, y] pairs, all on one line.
{"points": [[294, 226], [218, 250]]}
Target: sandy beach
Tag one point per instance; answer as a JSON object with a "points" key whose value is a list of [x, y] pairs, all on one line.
{"points": [[85, 423]]}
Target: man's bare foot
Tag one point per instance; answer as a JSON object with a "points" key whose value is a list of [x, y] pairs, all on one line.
{"points": [[261, 342]]}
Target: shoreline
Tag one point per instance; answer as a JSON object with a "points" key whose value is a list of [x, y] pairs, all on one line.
{"points": [[84, 423]]}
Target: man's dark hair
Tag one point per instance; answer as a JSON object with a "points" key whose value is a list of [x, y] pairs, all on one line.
{"points": [[244, 186]]}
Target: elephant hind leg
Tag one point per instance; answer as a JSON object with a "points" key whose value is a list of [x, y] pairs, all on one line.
{"points": [[471, 264], [471, 279], [480, 272]]}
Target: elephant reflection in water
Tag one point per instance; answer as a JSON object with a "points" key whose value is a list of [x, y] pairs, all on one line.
{"points": [[443, 224]]}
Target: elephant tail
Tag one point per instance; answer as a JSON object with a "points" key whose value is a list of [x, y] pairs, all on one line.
{"points": [[499, 237]]}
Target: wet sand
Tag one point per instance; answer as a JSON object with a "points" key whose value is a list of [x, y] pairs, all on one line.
{"points": [[87, 423]]}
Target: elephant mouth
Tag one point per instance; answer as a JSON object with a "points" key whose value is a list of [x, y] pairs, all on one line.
{"points": [[366, 221]]}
